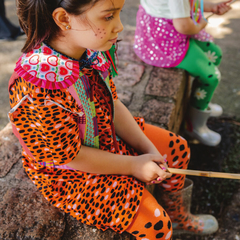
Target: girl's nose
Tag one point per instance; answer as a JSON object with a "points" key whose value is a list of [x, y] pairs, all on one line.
{"points": [[118, 27]]}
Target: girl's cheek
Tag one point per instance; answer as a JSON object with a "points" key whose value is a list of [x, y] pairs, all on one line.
{"points": [[100, 33]]}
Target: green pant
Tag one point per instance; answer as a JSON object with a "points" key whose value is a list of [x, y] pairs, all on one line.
{"points": [[201, 62]]}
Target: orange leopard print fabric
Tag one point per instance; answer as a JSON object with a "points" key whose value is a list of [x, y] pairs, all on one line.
{"points": [[51, 134]]}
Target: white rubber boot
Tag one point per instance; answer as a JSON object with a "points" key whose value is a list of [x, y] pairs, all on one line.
{"points": [[197, 128], [216, 110]]}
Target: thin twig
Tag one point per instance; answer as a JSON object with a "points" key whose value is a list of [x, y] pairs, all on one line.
{"points": [[204, 173]]}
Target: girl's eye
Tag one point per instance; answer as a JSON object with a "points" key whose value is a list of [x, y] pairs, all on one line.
{"points": [[108, 18]]}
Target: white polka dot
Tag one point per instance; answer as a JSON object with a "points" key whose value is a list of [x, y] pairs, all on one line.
{"points": [[94, 181], [173, 181], [74, 206], [175, 163], [168, 235], [166, 185], [157, 212], [68, 149], [97, 212], [107, 190], [89, 216], [113, 207], [79, 195], [127, 205], [115, 184], [67, 118], [96, 193], [106, 197], [117, 220]]}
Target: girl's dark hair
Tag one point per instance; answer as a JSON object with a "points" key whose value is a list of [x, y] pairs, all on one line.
{"points": [[35, 17]]}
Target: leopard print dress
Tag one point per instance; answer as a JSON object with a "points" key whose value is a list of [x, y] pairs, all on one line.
{"points": [[50, 131]]}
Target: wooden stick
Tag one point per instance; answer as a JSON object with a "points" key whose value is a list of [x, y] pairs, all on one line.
{"points": [[204, 173], [214, 13]]}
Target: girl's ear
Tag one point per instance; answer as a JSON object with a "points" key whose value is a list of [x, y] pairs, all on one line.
{"points": [[61, 18]]}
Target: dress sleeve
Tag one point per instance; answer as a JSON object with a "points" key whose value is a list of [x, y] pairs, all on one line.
{"points": [[179, 8], [46, 121]]}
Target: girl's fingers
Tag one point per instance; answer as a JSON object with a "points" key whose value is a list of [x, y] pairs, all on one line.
{"points": [[163, 173], [163, 166], [157, 181], [158, 159], [228, 2]]}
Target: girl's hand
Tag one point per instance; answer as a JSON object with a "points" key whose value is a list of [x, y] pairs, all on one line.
{"points": [[146, 168], [221, 8]]}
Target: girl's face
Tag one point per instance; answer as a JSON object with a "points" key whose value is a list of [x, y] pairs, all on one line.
{"points": [[97, 28]]}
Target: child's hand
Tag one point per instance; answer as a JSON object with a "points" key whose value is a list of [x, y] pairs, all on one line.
{"points": [[146, 168], [221, 8]]}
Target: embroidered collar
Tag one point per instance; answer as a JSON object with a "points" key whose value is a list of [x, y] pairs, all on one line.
{"points": [[47, 68]]}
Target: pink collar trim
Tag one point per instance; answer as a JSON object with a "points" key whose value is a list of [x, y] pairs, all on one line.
{"points": [[49, 69]]}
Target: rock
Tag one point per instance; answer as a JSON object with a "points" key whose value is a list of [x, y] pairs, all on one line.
{"points": [[125, 97], [129, 75], [165, 82], [158, 112], [25, 214], [10, 150], [126, 53], [79, 231]]}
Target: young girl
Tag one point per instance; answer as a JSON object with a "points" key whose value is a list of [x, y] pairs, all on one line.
{"points": [[81, 146], [170, 33]]}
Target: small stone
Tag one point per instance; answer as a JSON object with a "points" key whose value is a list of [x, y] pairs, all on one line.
{"points": [[166, 82], [129, 75], [125, 97], [158, 112], [126, 53], [10, 150]]}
